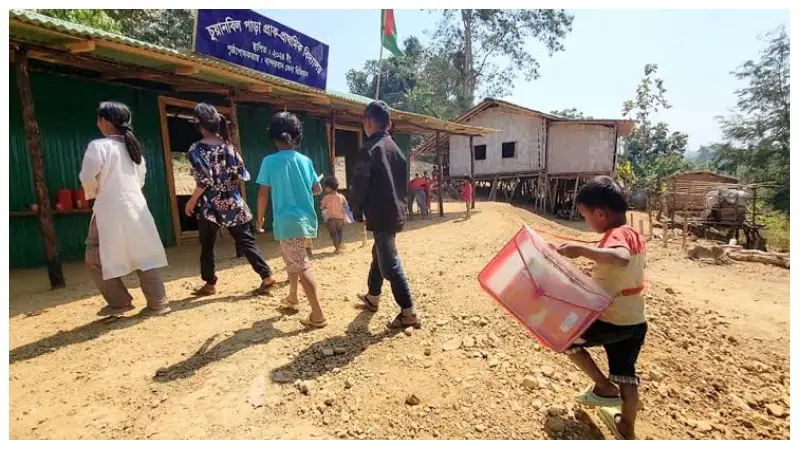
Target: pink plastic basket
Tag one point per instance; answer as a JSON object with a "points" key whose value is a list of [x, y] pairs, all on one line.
{"points": [[548, 295]]}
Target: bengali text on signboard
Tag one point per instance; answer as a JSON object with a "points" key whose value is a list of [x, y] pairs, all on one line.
{"points": [[246, 38]]}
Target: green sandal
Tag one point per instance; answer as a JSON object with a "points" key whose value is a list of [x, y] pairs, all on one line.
{"points": [[592, 400]]}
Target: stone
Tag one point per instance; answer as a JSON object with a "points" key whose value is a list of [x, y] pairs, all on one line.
{"points": [[409, 331], [468, 342], [256, 396], [670, 291], [305, 387], [547, 371], [654, 375], [427, 364], [775, 410], [785, 400], [704, 426], [427, 352], [340, 350], [480, 428], [412, 400], [349, 383], [326, 351], [556, 411], [452, 344], [530, 382], [555, 424], [493, 362]]}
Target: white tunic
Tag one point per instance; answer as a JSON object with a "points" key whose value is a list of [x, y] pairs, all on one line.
{"points": [[129, 239]]}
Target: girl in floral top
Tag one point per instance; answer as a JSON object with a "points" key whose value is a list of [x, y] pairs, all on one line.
{"points": [[218, 170]]}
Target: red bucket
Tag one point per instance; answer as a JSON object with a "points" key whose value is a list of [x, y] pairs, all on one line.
{"points": [[549, 296], [64, 198]]}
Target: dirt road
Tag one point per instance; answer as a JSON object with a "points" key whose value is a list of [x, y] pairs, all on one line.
{"points": [[715, 365]]}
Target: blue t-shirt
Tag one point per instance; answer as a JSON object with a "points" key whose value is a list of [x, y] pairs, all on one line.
{"points": [[290, 176]]}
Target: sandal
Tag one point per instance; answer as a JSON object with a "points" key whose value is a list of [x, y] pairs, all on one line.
{"points": [[592, 400], [368, 304], [609, 418], [403, 321], [264, 288], [312, 323], [206, 289], [109, 311], [286, 304], [157, 312]]}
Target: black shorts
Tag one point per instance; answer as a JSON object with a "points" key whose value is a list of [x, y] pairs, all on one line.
{"points": [[622, 344]]}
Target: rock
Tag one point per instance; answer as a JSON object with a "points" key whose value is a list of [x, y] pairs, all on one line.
{"points": [[427, 364], [480, 428], [340, 350], [556, 411], [703, 426], [412, 400], [348, 383], [484, 321], [468, 342], [493, 362], [733, 340], [326, 351], [555, 424], [427, 352], [670, 291], [441, 323], [256, 396], [305, 387], [530, 382], [409, 331], [775, 410], [452, 344], [547, 371], [654, 375], [516, 407], [341, 434], [785, 400], [739, 403], [537, 404]]}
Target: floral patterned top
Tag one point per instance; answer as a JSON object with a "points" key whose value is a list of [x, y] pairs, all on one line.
{"points": [[218, 168]]}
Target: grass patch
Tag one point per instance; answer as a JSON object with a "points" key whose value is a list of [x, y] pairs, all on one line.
{"points": [[777, 231]]}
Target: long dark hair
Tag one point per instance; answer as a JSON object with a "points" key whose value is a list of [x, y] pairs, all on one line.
{"points": [[207, 117], [119, 115]]}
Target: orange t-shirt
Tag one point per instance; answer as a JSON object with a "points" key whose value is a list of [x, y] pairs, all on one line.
{"points": [[616, 280], [334, 204]]}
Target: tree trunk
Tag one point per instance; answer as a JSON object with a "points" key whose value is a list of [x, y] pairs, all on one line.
{"points": [[468, 92]]}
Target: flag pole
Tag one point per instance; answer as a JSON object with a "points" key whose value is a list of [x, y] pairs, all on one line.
{"points": [[380, 62]]}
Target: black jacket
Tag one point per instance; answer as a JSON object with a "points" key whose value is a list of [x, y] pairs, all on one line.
{"points": [[380, 186]]}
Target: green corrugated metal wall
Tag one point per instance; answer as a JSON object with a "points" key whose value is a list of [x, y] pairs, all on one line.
{"points": [[65, 110], [256, 145]]}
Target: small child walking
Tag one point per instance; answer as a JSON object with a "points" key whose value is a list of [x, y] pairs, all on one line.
{"points": [[619, 261], [289, 180], [334, 206], [466, 195]]}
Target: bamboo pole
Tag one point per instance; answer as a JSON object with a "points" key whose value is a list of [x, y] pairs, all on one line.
{"points": [[574, 195], [34, 144]]}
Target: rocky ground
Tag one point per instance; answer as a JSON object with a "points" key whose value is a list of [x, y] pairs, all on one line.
{"points": [[715, 365]]}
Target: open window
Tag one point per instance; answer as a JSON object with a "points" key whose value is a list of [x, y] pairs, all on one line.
{"points": [[480, 152], [509, 149]]}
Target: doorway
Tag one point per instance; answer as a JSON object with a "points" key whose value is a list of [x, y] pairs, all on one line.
{"points": [[178, 133], [347, 143]]}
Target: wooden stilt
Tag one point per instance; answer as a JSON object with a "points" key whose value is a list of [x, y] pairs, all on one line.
{"points": [[574, 195], [472, 170], [441, 177], [34, 145], [641, 227], [685, 232]]}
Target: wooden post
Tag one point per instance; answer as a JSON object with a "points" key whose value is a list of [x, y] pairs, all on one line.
{"points": [[237, 141], [685, 232], [34, 145], [641, 227], [332, 150], [755, 193], [574, 195], [440, 177], [472, 170]]}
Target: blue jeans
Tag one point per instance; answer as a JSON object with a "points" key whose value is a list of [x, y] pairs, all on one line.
{"points": [[386, 266]]}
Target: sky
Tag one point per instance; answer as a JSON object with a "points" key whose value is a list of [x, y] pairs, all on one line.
{"points": [[602, 63]]}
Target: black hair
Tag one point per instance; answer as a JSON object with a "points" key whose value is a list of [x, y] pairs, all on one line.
{"points": [[209, 119], [602, 193], [119, 115], [468, 179], [379, 111], [285, 127], [331, 182]]}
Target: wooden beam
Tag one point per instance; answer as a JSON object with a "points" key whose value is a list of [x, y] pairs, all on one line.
{"points": [[259, 88], [332, 149], [439, 169], [34, 145], [130, 74], [80, 47], [186, 70]]}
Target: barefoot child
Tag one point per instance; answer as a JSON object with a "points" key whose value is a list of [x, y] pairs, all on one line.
{"points": [[288, 178], [466, 195], [619, 269], [333, 207]]}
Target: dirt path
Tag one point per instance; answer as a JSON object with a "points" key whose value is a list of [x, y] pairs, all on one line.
{"points": [[716, 363]]}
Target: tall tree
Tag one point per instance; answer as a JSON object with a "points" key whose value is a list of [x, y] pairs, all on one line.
{"points": [[571, 113], [757, 133], [95, 18], [478, 40]]}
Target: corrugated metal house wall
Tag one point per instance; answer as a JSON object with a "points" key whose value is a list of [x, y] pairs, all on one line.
{"points": [[256, 145], [66, 111]]}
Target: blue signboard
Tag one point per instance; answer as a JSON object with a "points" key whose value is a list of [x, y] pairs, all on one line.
{"points": [[243, 37]]}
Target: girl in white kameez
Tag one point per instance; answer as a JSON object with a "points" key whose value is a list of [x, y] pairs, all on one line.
{"points": [[122, 235]]}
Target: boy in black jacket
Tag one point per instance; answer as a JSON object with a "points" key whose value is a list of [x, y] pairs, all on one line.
{"points": [[379, 193]]}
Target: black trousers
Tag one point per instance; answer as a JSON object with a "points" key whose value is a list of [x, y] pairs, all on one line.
{"points": [[245, 243]]}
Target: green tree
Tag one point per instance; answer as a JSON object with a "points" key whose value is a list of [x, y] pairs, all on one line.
{"points": [[476, 41], [757, 133], [95, 18], [571, 113]]}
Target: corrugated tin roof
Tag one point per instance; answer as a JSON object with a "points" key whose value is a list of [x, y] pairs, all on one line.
{"points": [[146, 55]]}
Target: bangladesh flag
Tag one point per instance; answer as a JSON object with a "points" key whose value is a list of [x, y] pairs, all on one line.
{"points": [[389, 32]]}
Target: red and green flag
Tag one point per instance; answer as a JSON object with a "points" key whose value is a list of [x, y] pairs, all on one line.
{"points": [[389, 32]]}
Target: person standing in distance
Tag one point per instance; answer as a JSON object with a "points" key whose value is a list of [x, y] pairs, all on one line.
{"points": [[379, 194]]}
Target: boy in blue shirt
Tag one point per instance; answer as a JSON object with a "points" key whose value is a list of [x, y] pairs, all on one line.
{"points": [[289, 179]]}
